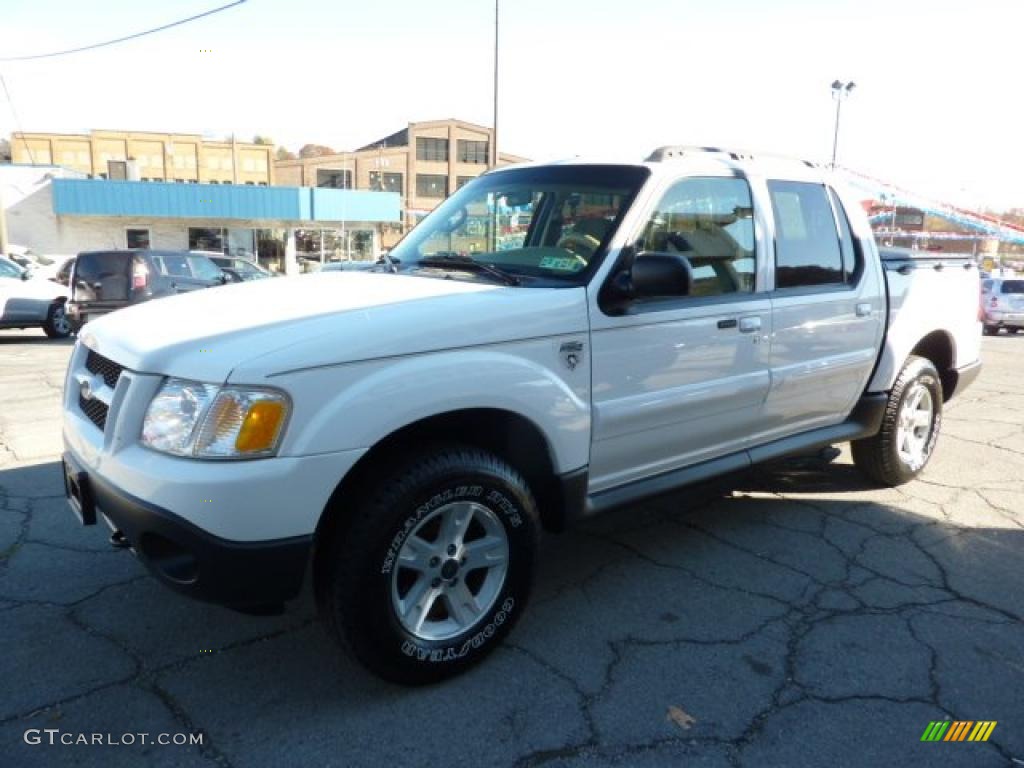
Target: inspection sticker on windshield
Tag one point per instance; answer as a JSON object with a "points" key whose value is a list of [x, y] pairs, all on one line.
{"points": [[561, 263]]}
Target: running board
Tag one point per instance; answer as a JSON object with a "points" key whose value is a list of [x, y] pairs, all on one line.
{"points": [[864, 421]]}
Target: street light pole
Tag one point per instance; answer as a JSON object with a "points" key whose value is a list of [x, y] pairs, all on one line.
{"points": [[494, 135], [840, 91]]}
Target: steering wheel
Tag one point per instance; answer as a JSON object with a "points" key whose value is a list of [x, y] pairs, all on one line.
{"points": [[574, 241]]}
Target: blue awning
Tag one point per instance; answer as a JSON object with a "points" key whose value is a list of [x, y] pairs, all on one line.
{"points": [[98, 197]]}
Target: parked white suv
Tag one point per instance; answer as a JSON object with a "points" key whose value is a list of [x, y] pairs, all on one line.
{"points": [[1002, 304], [552, 341]]}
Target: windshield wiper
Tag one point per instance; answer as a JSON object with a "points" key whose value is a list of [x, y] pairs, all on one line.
{"points": [[465, 262]]}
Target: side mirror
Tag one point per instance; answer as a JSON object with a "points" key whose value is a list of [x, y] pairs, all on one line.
{"points": [[647, 274], [26, 274], [660, 275]]}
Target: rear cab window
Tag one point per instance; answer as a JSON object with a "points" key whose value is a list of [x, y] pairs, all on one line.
{"points": [[814, 245], [1013, 286]]}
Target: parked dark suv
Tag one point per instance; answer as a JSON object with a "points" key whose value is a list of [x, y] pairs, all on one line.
{"points": [[102, 281]]}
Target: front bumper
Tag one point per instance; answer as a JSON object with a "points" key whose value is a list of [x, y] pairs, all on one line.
{"points": [[187, 558], [1003, 319]]}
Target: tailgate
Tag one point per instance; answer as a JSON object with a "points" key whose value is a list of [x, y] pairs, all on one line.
{"points": [[102, 277]]}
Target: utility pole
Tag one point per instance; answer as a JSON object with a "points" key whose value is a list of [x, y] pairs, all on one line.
{"points": [[494, 139], [4, 245]]}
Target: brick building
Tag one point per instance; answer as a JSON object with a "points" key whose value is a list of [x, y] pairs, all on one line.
{"points": [[424, 163]]}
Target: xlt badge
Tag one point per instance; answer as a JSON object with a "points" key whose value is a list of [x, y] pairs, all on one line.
{"points": [[572, 354]]}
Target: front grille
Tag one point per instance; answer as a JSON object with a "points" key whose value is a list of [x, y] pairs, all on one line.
{"points": [[95, 410], [108, 369]]}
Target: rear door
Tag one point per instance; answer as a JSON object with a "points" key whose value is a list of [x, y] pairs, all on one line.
{"points": [[827, 312], [184, 272], [101, 280]]}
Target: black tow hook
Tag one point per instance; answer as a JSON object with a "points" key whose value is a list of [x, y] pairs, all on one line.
{"points": [[119, 541]]}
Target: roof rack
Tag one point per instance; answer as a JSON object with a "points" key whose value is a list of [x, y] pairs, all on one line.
{"points": [[677, 151]]}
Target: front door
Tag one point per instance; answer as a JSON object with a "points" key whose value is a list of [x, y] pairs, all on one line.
{"points": [[681, 379]]}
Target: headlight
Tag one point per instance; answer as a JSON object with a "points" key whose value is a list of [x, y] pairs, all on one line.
{"points": [[174, 415], [188, 418]]}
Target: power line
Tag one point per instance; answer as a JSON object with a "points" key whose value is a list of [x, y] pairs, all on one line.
{"points": [[17, 121], [125, 38]]}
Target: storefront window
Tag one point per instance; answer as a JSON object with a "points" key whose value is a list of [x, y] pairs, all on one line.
{"points": [[386, 182], [233, 242], [137, 238], [270, 248], [333, 179], [204, 239], [241, 243]]}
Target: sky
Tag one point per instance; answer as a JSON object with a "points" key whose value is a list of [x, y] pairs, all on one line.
{"points": [[937, 107]]}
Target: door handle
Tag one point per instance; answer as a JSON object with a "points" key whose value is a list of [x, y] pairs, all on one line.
{"points": [[863, 309], [730, 323], [750, 324]]}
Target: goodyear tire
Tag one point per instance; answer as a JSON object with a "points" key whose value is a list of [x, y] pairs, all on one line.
{"points": [[435, 566], [910, 427]]}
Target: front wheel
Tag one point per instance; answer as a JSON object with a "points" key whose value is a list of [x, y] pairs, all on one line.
{"points": [[57, 325], [910, 427], [435, 567]]}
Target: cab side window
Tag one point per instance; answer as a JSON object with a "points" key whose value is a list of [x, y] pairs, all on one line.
{"points": [[807, 244], [709, 221]]}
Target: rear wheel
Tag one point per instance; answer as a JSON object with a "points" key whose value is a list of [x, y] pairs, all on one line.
{"points": [[910, 427], [1012, 330], [435, 567], [57, 325]]}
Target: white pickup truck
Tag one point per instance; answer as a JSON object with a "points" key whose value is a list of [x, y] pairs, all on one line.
{"points": [[552, 341]]}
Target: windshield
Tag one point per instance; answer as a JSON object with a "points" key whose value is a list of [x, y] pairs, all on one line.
{"points": [[548, 222]]}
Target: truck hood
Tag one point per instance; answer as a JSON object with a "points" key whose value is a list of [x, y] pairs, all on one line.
{"points": [[248, 331]]}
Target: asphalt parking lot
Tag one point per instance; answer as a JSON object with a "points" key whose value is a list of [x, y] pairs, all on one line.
{"points": [[794, 617]]}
